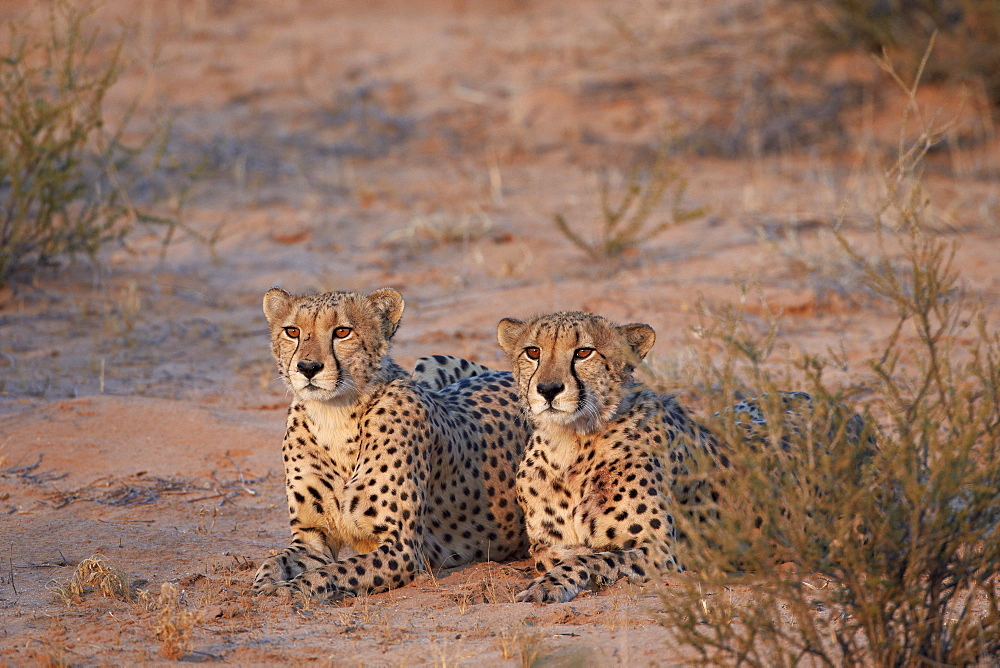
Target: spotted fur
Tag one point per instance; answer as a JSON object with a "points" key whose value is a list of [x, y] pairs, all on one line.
{"points": [[608, 459], [407, 475], [798, 416], [439, 371]]}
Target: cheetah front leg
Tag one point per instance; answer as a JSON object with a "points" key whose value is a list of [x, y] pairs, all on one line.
{"points": [[582, 571], [308, 550], [546, 555], [389, 566], [384, 529]]}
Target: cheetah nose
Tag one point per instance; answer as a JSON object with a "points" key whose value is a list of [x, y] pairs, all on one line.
{"points": [[309, 369], [550, 390]]}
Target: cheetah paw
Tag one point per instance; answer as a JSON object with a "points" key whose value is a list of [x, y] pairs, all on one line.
{"points": [[284, 589], [264, 586], [542, 592]]}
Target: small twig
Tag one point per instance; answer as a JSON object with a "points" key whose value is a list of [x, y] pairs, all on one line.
{"points": [[243, 480], [25, 472], [18, 470], [10, 565], [44, 564], [212, 657], [228, 497], [205, 498]]}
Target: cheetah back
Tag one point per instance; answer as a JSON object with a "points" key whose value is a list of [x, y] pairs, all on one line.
{"points": [[439, 371]]}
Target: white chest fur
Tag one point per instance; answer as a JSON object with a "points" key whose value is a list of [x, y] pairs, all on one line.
{"points": [[335, 431], [562, 485], [561, 446]]}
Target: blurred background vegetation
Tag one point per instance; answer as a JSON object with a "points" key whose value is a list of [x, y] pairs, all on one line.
{"points": [[70, 178], [968, 35], [73, 180]]}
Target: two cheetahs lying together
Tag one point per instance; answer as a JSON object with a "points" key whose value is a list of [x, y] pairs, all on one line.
{"points": [[566, 458]]}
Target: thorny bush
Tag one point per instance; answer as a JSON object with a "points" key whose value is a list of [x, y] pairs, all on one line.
{"points": [[872, 545], [64, 168]]}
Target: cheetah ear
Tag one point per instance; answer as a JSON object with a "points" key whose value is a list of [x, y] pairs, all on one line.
{"points": [[639, 336], [277, 304], [389, 304], [508, 332]]}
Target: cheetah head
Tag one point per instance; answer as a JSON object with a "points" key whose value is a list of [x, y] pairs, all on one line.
{"points": [[330, 346], [573, 369]]}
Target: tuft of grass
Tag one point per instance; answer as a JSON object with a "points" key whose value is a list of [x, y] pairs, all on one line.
{"points": [[93, 574], [523, 644], [174, 625], [495, 591], [869, 541], [64, 165], [627, 222]]}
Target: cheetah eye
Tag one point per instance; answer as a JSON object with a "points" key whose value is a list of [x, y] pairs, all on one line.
{"points": [[292, 332], [532, 352], [341, 332], [583, 353]]}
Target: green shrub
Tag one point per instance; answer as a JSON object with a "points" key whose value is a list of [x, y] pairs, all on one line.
{"points": [[876, 547], [63, 170]]}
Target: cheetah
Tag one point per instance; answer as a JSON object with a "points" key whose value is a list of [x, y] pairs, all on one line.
{"points": [[608, 459], [410, 475]]}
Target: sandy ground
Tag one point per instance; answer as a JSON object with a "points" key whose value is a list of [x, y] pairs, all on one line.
{"points": [[424, 146]]}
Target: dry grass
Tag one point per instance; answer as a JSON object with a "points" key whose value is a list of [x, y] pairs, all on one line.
{"points": [[65, 169], [499, 590], [816, 260], [94, 574], [969, 32], [142, 489], [628, 222], [868, 541], [524, 644], [174, 626]]}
